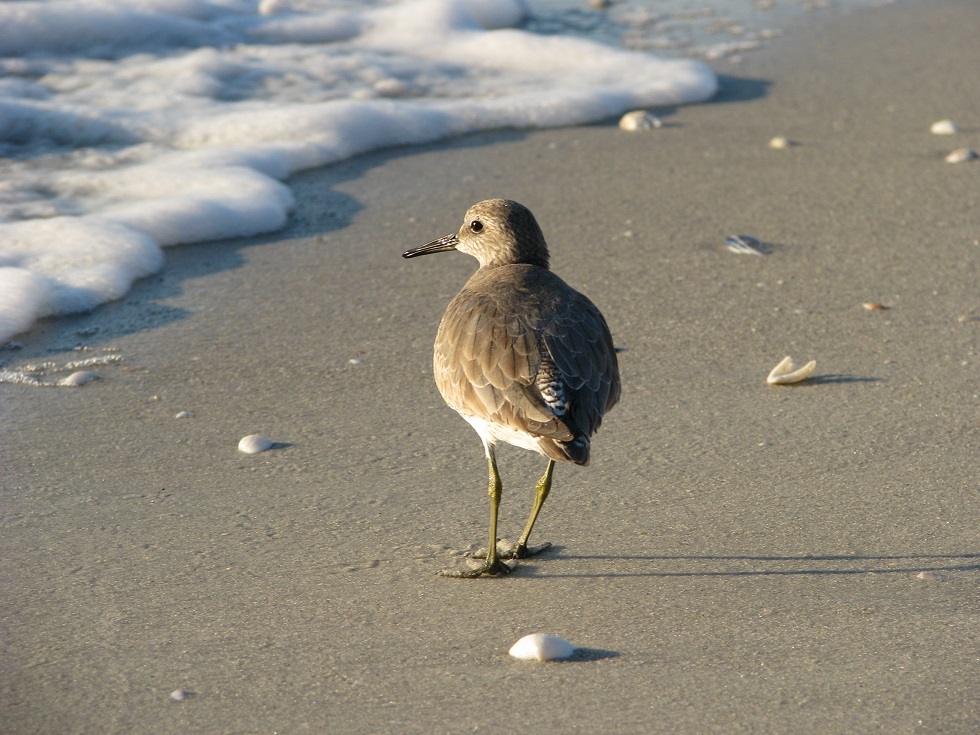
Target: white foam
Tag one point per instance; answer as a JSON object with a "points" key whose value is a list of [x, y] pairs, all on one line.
{"points": [[132, 125]]}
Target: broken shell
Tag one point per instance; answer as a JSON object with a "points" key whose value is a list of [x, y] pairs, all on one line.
{"points": [[780, 142], [254, 443], [960, 155], [786, 372], [872, 306], [944, 127], [639, 120], [932, 576], [744, 245], [183, 415], [541, 647], [80, 378]]}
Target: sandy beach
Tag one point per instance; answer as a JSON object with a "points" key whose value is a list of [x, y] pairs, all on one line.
{"points": [[738, 558]]}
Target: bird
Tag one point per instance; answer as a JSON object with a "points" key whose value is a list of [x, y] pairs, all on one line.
{"points": [[522, 356]]}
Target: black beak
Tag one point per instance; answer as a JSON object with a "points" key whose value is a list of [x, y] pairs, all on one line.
{"points": [[449, 242]]}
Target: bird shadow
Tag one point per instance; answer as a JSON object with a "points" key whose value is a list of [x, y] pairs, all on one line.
{"points": [[768, 565]]}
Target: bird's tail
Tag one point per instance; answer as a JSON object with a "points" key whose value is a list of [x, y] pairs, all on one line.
{"points": [[577, 450]]}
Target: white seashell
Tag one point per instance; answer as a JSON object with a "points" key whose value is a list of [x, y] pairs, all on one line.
{"points": [[780, 142], [80, 378], [744, 245], [932, 576], [269, 7], [183, 415], [960, 155], [639, 120], [944, 127], [786, 372], [179, 695], [254, 443], [390, 87], [541, 647]]}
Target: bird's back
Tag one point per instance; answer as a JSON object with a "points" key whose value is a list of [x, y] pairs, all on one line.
{"points": [[521, 352]]}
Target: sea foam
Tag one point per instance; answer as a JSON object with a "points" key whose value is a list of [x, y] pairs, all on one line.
{"points": [[131, 125]]}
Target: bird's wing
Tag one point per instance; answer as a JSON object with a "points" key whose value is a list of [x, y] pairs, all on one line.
{"points": [[554, 378], [584, 359], [486, 362]]}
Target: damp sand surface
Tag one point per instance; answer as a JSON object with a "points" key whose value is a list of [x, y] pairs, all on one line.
{"points": [[738, 557]]}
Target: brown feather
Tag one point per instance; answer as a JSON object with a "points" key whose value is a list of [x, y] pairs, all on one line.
{"points": [[491, 342]]}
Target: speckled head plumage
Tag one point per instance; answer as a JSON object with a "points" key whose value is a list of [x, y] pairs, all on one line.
{"points": [[495, 232]]}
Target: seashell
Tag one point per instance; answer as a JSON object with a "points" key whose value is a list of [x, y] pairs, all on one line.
{"points": [[873, 306], [183, 415], [639, 120], [932, 576], [786, 372], [79, 378], [744, 245], [960, 155], [944, 127], [390, 87], [270, 7], [254, 443], [541, 647], [179, 695], [780, 142]]}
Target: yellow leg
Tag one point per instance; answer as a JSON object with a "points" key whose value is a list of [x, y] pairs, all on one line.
{"points": [[496, 491], [493, 563], [540, 495]]}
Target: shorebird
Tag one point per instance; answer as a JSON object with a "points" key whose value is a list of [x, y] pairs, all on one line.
{"points": [[521, 355]]}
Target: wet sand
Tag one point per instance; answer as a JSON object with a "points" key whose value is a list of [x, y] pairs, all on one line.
{"points": [[738, 558]]}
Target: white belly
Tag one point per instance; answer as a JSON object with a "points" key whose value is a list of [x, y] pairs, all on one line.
{"points": [[492, 433]]}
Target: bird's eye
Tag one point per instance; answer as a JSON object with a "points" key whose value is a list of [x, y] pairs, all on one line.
{"points": [[476, 226]]}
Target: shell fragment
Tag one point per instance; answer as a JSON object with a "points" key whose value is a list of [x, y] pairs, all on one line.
{"points": [[744, 245], [639, 120], [541, 647], [944, 127], [254, 443], [786, 372], [78, 378], [960, 155]]}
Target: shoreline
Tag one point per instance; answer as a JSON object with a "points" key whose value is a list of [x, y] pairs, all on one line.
{"points": [[737, 558]]}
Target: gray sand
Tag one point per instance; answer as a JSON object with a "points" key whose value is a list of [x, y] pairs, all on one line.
{"points": [[737, 559]]}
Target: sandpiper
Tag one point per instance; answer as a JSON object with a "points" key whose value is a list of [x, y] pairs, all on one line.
{"points": [[521, 355]]}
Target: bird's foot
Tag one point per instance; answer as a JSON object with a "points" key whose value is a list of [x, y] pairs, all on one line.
{"points": [[523, 551], [478, 570], [507, 549]]}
